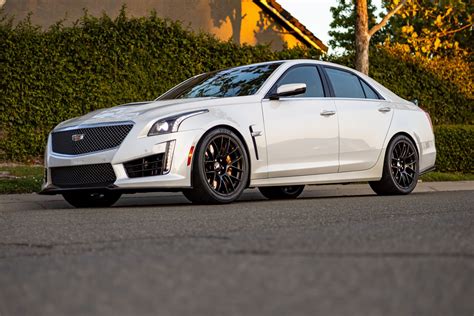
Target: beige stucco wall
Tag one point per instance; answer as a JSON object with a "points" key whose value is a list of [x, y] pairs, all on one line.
{"points": [[224, 18]]}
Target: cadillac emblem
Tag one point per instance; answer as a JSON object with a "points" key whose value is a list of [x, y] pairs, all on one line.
{"points": [[77, 137]]}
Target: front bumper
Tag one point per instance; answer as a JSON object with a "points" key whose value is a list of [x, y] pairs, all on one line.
{"points": [[132, 148]]}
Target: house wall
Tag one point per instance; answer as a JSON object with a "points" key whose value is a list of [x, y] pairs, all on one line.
{"points": [[241, 21]]}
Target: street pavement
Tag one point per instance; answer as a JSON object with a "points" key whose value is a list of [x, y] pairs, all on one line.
{"points": [[336, 250]]}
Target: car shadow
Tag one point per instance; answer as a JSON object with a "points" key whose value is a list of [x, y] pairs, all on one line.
{"points": [[177, 200]]}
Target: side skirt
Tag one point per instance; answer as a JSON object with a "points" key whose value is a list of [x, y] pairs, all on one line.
{"points": [[373, 174]]}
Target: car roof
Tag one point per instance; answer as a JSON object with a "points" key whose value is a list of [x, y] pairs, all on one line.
{"points": [[386, 93]]}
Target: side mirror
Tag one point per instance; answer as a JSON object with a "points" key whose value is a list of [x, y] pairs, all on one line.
{"points": [[415, 102], [287, 90]]}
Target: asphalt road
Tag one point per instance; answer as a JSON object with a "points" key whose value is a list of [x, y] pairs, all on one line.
{"points": [[337, 250]]}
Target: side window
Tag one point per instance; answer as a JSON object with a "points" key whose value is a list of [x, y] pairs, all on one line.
{"points": [[345, 84], [369, 92], [304, 74]]}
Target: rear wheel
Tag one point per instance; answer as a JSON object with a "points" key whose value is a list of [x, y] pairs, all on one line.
{"points": [[91, 199], [220, 169], [400, 171], [282, 193]]}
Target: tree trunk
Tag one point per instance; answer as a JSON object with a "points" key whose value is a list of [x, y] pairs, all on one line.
{"points": [[236, 21], [362, 37]]}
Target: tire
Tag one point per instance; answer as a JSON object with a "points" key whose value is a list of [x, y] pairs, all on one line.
{"points": [[400, 170], [91, 199], [220, 168], [282, 193]]}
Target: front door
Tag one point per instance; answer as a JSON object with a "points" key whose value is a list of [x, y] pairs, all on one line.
{"points": [[301, 131]]}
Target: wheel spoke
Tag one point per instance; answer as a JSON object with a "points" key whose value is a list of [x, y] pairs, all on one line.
{"points": [[230, 181], [396, 152], [234, 161], [221, 146], [227, 146], [233, 177], [397, 174], [236, 168], [225, 184], [233, 151], [219, 184]]}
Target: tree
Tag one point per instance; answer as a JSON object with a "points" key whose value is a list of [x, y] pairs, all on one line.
{"points": [[433, 27], [343, 25], [363, 33]]}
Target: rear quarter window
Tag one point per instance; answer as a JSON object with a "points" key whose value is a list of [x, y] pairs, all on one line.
{"points": [[345, 84]]}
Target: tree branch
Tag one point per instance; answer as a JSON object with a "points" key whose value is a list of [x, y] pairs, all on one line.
{"points": [[458, 30], [387, 17]]}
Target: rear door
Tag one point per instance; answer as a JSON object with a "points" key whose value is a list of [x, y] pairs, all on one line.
{"points": [[364, 119]]}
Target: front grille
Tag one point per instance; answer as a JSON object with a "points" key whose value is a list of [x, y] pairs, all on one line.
{"points": [[97, 175], [146, 167], [89, 139]]}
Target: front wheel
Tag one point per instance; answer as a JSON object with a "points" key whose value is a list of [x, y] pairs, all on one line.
{"points": [[400, 170], [220, 168], [282, 193], [91, 199]]}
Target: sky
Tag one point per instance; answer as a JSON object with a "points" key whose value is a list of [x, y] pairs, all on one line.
{"points": [[314, 14]]}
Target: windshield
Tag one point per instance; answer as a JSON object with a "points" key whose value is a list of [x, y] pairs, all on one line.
{"points": [[231, 82]]}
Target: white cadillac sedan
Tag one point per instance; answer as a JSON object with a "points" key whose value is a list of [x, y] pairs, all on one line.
{"points": [[277, 126]]}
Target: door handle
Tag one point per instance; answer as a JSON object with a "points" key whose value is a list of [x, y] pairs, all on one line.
{"points": [[327, 113], [385, 109]]}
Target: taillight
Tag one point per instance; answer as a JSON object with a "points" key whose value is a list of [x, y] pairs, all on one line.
{"points": [[429, 118]]}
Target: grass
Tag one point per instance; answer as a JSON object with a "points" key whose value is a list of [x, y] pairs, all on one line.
{"points": [[20, 179], [28, 179]]}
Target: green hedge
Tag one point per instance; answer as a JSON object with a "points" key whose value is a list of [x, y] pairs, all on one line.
{"points": [[443, 86], [50, 76], [455, 148]]}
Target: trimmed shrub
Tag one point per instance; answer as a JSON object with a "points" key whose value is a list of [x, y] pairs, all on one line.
{"points": [[50, 76], [443, 86], [455, 148]]}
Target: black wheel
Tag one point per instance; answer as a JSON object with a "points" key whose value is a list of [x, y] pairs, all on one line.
{"points": [[400, 171], [282, 193], [220, 169], [91, 199]]}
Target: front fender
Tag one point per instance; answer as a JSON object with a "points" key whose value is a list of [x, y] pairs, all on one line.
{"points": [[239, 120]]}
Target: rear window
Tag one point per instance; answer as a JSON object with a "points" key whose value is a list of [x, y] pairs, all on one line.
{"points": [[369, 92], [345, 84]]}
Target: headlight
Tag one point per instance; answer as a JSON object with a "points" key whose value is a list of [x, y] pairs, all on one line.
{"points": [[171, 124], [162, 127]]}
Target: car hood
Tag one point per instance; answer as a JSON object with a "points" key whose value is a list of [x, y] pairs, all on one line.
{"points": [[139, 111]]}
